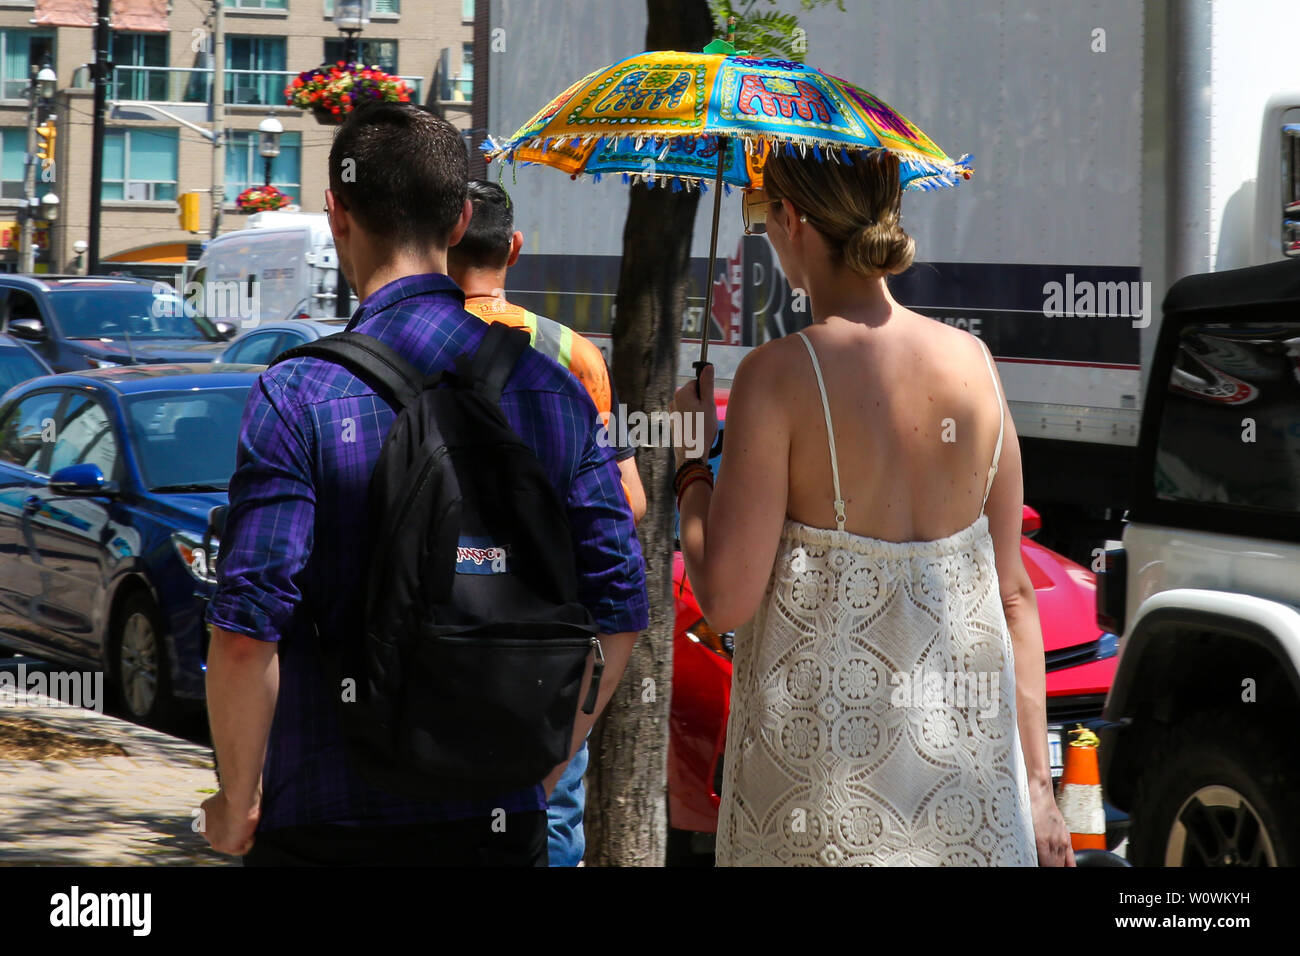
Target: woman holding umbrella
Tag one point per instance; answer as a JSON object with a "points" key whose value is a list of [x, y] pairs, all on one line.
{"points": [[888, 701]]}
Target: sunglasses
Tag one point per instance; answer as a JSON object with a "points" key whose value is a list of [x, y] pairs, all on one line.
{"points": [[754, 208]]}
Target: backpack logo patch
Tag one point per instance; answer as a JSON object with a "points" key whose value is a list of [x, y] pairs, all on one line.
{"points": [[480, 556]]}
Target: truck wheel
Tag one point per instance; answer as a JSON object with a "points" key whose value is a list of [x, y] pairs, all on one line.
{"points": [[1217, 793], [140, 663]]}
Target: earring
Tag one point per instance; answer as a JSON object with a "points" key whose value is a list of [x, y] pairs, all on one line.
{"points": [[803, 218]]}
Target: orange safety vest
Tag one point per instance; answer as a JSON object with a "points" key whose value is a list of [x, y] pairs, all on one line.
{"points": [[575, 353]]}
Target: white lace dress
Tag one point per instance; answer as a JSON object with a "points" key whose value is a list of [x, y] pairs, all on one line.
{"points": [[873, 716]]}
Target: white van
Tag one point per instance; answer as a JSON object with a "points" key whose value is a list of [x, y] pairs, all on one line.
{"points": [[283, 266]]}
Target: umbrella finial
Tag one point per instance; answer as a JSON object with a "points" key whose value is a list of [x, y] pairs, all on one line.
{"points": [[726, 47]]}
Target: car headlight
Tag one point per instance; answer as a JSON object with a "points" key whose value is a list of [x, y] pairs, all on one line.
{"points": [[721, 644], [201, 565]]}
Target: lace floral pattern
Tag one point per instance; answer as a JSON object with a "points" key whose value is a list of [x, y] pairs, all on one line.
{"points": [[873, 712]]}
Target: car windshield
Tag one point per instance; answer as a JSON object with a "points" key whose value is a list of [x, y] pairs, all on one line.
{"points": [[16, 366], [137, 312], [186, 440]]}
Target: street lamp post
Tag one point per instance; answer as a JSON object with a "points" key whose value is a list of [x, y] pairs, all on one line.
{"points": [[40, 95], [351, 17], [268, 142]]}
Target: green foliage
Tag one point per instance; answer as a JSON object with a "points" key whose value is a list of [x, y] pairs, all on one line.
{"points": [[767, 32]]}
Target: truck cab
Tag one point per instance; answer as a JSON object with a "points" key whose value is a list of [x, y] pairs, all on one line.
{"points": [[282, 267], [1206, 589]]}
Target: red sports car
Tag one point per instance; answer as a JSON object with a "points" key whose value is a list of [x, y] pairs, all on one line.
{"points": [[1080, 659]]}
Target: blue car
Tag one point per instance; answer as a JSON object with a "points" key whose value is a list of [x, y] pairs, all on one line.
{"points": [[269, 339], [84, 322], [107, 480]]}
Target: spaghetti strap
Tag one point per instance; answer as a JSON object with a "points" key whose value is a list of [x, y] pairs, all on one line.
{"points": [[1002, 420], [830, 434]]}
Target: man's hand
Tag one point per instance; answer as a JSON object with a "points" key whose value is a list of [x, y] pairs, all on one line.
{"points": [[1050, 832], [229, 828]]}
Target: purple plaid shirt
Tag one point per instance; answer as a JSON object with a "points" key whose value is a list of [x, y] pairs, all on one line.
{"points": [[294, 542]]}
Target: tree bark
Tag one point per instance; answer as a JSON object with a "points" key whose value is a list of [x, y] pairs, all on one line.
{"points": [[627, 810]]}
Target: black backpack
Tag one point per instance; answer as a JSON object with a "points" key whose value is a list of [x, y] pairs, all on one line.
{"points": [[468, 659]]}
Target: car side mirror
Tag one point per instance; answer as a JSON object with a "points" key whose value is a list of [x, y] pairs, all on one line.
{"points": [[30, 330], [1030, 521], [226, 330], [80, 481]]}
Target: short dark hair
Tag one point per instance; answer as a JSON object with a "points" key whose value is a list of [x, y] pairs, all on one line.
{"points": [[486, 243], [405, 174]]}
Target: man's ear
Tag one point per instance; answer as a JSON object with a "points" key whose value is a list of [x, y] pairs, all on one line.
{"points": [[458, 230], [516, 244], [340, 223]]}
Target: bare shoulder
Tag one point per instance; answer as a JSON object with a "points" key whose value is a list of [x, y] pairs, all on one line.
{"points": [[770, 364]]}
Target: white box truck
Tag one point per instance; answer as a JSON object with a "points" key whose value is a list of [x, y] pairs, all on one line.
{"points": [[283, 266], [1118, 144]]}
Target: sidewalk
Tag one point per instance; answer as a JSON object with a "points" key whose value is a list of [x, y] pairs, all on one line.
{"points": [[130, 804]]}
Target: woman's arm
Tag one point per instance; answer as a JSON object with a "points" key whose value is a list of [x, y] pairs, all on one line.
{"points": [[1020, 606], [729, 535]]}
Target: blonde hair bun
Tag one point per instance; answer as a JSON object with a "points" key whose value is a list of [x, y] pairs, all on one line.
{"points": [[881, 248]]}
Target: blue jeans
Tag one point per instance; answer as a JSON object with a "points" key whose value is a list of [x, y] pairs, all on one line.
{"points": [[565, 840]]}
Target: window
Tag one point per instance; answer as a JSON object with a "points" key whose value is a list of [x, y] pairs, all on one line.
{"points": [[245, 166], [140, 164], [467, 9], [85, 437], [257, 4], [391, 7], [380, 53], [17, 365], [19, 50], [187, 437], [28, 430], [257, 349], [255, 70], [23, 308], [462, 87], [13, 152], [140, 66], [1230, 427]]}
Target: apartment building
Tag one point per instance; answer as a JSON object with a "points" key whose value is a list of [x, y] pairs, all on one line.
{"points": [[162, 81]]}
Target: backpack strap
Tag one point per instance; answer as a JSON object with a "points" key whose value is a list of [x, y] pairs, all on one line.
{"points": [[495, 358], [394, 378]]}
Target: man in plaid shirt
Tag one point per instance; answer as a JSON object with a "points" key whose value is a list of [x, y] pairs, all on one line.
{"points": [[295, 538]]}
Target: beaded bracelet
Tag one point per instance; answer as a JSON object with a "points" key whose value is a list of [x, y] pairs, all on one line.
{"points": [[690, 481], [689, 473], [692, 466]]}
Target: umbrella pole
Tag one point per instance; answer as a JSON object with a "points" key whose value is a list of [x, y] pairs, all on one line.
{"points": [[713, 254]]}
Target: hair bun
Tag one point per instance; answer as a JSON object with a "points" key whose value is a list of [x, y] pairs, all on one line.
{"points": [[881, 248]]}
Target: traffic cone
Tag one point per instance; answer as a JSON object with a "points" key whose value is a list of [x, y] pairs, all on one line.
{"points": [[1080, 795]]}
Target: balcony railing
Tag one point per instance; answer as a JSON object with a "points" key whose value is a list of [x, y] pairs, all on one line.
{"points": [[166, 84]]}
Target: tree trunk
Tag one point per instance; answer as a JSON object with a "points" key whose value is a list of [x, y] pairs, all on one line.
{"points": [[627, 810]]}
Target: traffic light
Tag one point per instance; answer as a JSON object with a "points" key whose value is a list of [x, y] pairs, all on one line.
{"points": [[189, 203], [45, 136]]}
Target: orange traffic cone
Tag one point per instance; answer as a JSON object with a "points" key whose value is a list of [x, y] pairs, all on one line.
{"points": [[1080, 795]]}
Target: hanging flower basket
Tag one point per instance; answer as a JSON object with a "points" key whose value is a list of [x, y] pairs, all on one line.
{"points": [[262, 199], [331, 92]]}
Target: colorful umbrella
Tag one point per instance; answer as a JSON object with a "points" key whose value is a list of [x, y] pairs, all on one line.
{"points": [[682, 119]]}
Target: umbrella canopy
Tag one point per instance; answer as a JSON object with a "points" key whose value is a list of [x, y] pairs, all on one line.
{"points": [[659, 118]]}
